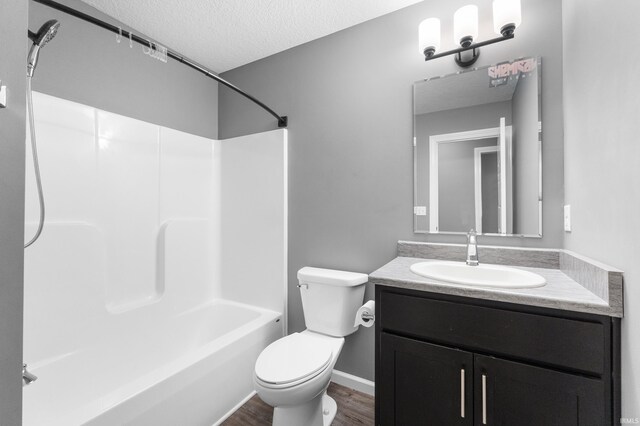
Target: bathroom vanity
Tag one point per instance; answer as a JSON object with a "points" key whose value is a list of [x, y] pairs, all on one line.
{"points": [[460, 355]]}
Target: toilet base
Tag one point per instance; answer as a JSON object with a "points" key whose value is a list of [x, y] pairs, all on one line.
{"points": [[329, 409], [320, 411]]}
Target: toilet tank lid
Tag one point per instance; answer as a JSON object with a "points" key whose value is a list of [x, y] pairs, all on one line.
{"points": [[331, 277]]}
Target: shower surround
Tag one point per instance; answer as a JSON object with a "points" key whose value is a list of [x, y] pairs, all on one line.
{"points": [[161, 271]]}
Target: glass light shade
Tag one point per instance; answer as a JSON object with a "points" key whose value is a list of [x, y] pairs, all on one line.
{"points": [[465, 23], [506, 12], [429, 34]]}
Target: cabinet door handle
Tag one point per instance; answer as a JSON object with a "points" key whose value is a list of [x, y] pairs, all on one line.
{"points": [[484, 399], [462, 393]]}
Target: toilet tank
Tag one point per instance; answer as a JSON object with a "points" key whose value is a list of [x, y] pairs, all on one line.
{"points": [[330, 299]]}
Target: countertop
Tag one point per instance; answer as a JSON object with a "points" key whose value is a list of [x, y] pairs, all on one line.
{"points": [[560, 292]]}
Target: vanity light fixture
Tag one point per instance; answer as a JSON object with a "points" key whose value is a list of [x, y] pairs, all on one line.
{"points": [[506, 18]]}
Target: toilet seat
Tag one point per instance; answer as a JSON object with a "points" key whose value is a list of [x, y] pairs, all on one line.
{"points": [[292, 360]]}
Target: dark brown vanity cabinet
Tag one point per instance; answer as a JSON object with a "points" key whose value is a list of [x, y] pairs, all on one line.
{"points": [[511, 393], [419, 381], [445, 360]]}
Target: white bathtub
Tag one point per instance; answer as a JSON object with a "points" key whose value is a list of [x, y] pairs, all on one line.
{"points": [[145, 235], [191, 370]]}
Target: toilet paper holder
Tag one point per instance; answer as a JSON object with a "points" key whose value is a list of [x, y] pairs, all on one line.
{"points": [[367, 316]]}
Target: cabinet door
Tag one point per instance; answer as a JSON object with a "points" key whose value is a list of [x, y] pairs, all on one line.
{"points": [[423, 384], [512, 394]]}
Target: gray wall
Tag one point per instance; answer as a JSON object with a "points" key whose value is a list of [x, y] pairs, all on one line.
{"points": [[449, 121], [525, 156], [85, 64], [349, 100], [603, 154], [13, 45]]}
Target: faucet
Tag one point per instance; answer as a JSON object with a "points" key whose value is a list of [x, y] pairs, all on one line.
{"points": [[27, 378], [472, 248]]}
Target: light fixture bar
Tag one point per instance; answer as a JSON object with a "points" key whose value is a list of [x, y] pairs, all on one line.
{"points": [[470, 47]]}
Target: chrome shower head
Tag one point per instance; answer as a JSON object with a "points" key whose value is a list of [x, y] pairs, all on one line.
{"points": [[46, 32], [44, 35]]}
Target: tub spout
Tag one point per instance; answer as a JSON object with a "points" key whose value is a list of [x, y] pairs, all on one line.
{"points": [[27, 378]]}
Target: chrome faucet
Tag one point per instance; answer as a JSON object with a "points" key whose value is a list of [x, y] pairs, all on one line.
{"points": [[27, 378], [472, 248]]}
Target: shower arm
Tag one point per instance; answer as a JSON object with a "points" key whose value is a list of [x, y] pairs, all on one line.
{"points": [[282, 120]]}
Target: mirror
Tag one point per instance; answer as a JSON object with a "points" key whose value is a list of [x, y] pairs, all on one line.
{"points": [[478, 151]]}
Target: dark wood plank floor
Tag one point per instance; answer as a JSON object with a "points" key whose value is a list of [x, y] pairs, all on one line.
{"points": [[354, 408]]}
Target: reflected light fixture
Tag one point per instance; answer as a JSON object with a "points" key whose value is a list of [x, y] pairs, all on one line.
{"points": [[506, 18]]}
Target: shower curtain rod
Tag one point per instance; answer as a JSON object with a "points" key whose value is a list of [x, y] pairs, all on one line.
{"points": [[282, 120]]}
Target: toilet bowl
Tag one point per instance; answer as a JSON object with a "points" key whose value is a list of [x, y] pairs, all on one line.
{"points": [[292, 374]]}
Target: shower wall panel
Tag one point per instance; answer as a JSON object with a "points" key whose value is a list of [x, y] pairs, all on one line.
{"points": [[68, 162], [130, 215], [254, 219], [145, 224], [128, 207]]}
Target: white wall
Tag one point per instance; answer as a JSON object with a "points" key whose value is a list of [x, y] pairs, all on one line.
{"points": [[602, 154]]}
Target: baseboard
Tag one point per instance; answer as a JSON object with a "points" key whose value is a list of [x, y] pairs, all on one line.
{"points": [[234, 409], [353, 382]]}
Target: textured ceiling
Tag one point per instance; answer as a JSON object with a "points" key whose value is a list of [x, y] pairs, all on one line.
{"points": [[225, 34]]}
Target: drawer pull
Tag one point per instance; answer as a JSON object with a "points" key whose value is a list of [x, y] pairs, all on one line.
{"points": [[462, 393], [484, 399]]}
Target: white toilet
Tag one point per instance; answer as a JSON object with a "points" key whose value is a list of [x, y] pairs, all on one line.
{"points": [[292, 374]]}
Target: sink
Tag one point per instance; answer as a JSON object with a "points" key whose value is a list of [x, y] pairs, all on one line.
{"points": [[482, 275]]}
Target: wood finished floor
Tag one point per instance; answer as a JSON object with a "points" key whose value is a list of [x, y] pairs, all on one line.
{"points": [[354, 408]]}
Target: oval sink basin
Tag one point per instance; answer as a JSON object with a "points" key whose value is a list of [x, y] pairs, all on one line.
{"points": [[481, 275]]}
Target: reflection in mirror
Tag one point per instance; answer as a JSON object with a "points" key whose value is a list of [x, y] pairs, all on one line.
{"points": [[477, 151]]}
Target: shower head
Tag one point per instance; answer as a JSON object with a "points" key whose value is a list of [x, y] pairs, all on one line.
{"points": [[44, 35], [46, 32]]}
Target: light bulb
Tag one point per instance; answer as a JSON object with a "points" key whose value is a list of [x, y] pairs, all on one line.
{"points": [[506, 16], [429, 36], [465, 25]]}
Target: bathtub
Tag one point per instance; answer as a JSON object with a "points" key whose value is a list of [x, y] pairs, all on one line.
{"points": [[127, 318], [193, 369]]}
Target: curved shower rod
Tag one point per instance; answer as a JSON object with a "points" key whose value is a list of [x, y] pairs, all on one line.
{"points": [[282, 120]]}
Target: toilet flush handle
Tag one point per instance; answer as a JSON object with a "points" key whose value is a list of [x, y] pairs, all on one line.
{"points": [[305, 285]]}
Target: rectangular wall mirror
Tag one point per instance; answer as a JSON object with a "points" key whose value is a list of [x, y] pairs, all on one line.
{"points": [[478, 151]]}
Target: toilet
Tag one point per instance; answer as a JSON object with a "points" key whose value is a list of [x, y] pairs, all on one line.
{"points": [[292, 374]]}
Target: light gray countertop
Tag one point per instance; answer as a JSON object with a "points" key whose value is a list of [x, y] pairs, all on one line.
{"points": [[560, 292]]}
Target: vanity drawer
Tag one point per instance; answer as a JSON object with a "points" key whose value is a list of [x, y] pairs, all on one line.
{"points": [[568, 343]]}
